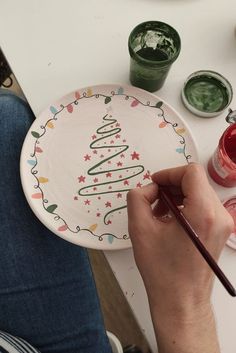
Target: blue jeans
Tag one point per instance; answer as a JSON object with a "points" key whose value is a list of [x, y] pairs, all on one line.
{"points": [[47, 291]]}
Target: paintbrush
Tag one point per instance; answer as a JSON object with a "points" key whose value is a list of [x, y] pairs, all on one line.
{"points": [[167, 197]]}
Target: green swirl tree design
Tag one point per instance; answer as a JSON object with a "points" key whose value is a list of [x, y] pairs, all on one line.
{"points": [[111, 173]]}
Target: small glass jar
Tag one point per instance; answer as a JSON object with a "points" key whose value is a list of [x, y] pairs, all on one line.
{"points": [[222, 165], [153, 47], [207, 93]]}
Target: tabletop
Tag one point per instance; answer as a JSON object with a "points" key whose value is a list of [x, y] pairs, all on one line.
{"points": [[55, 47]]}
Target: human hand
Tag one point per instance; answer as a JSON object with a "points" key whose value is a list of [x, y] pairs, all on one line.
{"points": [[178, 281]]}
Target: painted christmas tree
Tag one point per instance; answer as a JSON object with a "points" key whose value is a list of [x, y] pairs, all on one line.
{"points": [[112, 170]]}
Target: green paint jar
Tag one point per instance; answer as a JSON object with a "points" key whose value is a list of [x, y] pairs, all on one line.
{"points": [[207, 93], [153, 47]]}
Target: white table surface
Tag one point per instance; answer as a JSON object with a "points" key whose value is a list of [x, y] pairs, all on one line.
{"points": [[55, 47]]}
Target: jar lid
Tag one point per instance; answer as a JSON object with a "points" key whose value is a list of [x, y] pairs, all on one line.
{"points": [[207, 93], [230, 205]]}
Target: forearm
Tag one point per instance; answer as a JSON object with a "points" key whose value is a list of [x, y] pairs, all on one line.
{"points": [[195, 334]]}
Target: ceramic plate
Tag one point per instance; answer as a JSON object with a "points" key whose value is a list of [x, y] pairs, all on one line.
{"points": [[84, 152]]}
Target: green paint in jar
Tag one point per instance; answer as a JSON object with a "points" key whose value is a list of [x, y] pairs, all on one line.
{"points": [[153, 47], [207, 93], [152, 54]]}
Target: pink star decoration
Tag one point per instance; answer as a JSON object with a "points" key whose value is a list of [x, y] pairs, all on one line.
{"points": [[147, 176], [135, 155], [81, 179], [87, 157]]}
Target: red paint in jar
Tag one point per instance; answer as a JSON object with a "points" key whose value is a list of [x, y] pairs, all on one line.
{"points": [[222, 165]]}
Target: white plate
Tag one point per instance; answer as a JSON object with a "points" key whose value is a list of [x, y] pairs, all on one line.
{"points": [[84, 152]]}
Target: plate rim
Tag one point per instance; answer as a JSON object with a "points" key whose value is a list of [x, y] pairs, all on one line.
{"points": [[104, 246]]}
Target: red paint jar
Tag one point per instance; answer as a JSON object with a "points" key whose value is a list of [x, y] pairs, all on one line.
{"points": [[222, 165]]}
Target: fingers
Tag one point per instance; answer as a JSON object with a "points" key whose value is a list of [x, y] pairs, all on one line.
{"points": [[171, 176], [161, 209], [191, 178], [199, 198], [139, 201], [190, 188], [188, 181]]}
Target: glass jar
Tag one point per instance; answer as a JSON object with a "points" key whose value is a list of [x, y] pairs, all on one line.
{"points": [[153, 47]]}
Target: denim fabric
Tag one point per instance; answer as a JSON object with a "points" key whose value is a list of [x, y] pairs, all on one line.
{"points": [[47, 292]]}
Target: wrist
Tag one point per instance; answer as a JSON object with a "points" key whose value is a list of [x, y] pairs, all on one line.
{"points": [[184, 310], [189, 330], [183, 315]]}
